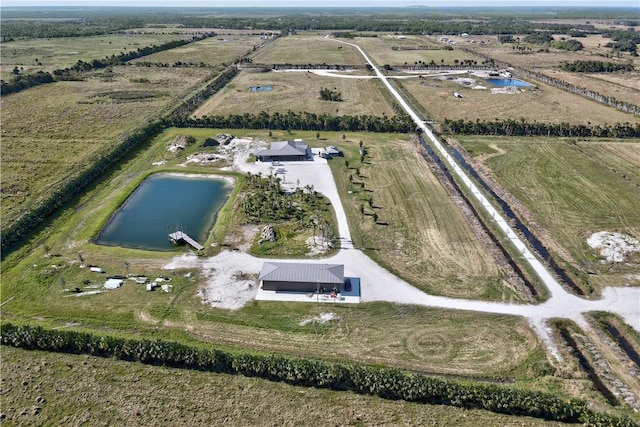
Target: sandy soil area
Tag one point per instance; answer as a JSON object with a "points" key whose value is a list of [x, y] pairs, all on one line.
{"points": [[614, 247]]}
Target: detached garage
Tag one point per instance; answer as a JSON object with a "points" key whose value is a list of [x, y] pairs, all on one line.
{"points": [[300, 277]]}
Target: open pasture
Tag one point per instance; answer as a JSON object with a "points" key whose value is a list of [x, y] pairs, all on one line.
{"points": [[379, 49], [56, 53], [211, 51], [153, 395], [624, 86], [54, 131], [546, 104], [297, 91], [308, 49], [421, 233], [573, 189]]}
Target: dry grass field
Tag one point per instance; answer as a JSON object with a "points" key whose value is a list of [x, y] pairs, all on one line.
{"points": [[51, 132], [297, 91], [425, 237], [53, 53], [379, 49], [573, 189], [624, 86], [308, 48], [60, 389], [211, 51], [546, 104]]}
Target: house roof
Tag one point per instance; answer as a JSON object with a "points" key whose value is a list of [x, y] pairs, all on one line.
{"points": [[302, 272], [284, 148], [332, 150]]}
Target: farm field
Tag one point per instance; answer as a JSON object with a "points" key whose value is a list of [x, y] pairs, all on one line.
{"points": [[547, 104], [427, 241], [573, 189], [624, 86], [212, 51], [45, 143], [297, 91], [153, 395], [54, 53], [379, 49], [310, 48]]}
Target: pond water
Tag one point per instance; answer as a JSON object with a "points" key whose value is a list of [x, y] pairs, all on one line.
{"points": [[161, 203], [508, 82], [260, 88]]}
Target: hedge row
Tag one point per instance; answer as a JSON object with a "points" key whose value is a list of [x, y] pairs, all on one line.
{"points": [[379, 381]]}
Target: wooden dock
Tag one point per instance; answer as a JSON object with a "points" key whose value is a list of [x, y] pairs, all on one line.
{"points": [[180, 237]]}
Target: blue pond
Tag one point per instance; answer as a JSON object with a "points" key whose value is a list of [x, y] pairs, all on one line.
{"points": [[508, 82], [161, 202], [260, 88]]}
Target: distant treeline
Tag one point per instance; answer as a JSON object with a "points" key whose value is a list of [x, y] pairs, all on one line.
{"points": [[523, 128], [596, 67], [21, 82], [297, 121], [387, 383]]}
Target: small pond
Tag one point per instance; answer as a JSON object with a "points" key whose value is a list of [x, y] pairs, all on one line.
{"points": [[161, 203], [508, 82], [260, 88]]}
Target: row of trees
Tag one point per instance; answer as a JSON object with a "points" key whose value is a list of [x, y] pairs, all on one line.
{"points": [[524, 128], [375, 380], [596, 67], [299, 121], [21, 82]]}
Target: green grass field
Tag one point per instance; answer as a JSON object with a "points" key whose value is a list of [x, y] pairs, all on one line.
{"points": [[308, 48], [297, 91], [211, 51], [54, 53], [45, 143], [573, 189], [47, 388]]}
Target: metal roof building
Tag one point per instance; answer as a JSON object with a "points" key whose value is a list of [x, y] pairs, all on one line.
{"points": [[300, 277], [284, 150]]}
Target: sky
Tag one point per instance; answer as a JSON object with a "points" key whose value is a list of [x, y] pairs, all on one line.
{"points": [[319, 3]]}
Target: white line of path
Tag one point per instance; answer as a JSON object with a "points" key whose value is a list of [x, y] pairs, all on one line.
{"points": [[622, 301]]}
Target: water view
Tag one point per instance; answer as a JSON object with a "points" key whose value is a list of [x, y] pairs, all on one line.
{"points": [[162, 203], [260, 88], [508, 82]]}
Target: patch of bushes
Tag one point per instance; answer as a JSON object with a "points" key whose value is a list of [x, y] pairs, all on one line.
{"points": [[378, 381], [596, 67]]}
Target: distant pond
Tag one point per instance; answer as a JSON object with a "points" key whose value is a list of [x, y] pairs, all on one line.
{"points": [[508, 82], [260, 88], [161, 203]]}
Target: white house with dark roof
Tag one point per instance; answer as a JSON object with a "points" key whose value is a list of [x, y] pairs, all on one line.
{"points": [[301, 277], [285, 151]]}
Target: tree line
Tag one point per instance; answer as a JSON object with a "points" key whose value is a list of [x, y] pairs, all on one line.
{"points": [[21, 82], [387, 383], [524, 128], [299, 121], [596, 67]]}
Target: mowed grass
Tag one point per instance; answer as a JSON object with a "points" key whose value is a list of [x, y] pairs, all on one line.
{"points": [[379, 50], [421, 233], [63, 389], [48, 54], [573, 189], [297, 91], [212, 51], [622, 86], [308, 48], [548, 104], [53, 132]]}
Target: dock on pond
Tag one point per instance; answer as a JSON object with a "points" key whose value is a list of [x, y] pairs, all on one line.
{"points": [[181, 237]]}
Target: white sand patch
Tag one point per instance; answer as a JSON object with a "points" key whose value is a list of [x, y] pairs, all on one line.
{"points": [[318, 245], [321, 319], [613, 246], [159, 163]]}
